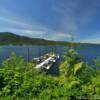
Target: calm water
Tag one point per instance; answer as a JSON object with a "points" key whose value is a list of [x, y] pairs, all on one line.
{"points": [[89, 52], [29, 52]]}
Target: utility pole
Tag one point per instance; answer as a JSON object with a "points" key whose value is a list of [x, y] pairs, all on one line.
{"points": [[72, 38], [28, 53]]}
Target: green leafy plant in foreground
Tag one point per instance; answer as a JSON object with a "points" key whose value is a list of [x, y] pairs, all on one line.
{"points": [[72, 63], [20, 81]]}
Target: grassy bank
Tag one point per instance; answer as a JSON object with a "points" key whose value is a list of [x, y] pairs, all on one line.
{"points": [[77, 80]]}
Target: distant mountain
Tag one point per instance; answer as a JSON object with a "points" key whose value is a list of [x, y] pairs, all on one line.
{"points": [[11, 38]]}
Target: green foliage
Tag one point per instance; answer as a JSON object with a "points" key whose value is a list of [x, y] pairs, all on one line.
{"points": [[14, 61], [77, 67], [82, 78], [72, 63], [20, 81], [7, 38], [97, 63]]}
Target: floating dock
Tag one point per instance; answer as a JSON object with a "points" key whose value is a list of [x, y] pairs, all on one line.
{"points": [[46, 61]]}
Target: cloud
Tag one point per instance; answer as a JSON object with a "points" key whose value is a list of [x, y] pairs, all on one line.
{"points": [[22, 28], [17, 25], [12, 19], [92, 39], [58, 36], [75, 15], [14, 22], [65, 16]]}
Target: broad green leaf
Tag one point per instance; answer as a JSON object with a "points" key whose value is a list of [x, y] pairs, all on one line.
{"points": [[74, 83], [77, 67]]}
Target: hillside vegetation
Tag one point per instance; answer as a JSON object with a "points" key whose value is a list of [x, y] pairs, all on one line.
{"points": [[7, 38]]}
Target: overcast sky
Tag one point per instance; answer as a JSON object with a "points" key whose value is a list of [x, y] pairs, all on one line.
{"points": [[52, 19]]}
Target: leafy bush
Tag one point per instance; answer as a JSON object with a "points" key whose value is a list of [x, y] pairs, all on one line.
{"points": [[77, 80], [80, 76]]}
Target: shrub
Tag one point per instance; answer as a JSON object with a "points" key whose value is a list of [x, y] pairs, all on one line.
{"points": [[20, 81]]}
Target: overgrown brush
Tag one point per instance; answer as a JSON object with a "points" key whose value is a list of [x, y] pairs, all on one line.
{"points": [[20, 81]]}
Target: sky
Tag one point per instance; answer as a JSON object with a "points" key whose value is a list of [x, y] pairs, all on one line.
{"points": [[52, 19]]}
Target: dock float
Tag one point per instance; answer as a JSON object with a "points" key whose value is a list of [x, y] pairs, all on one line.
{"points": [[47, 63]]}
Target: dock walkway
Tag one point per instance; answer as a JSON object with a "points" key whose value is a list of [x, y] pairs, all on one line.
{"points": [[47, 63]]}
